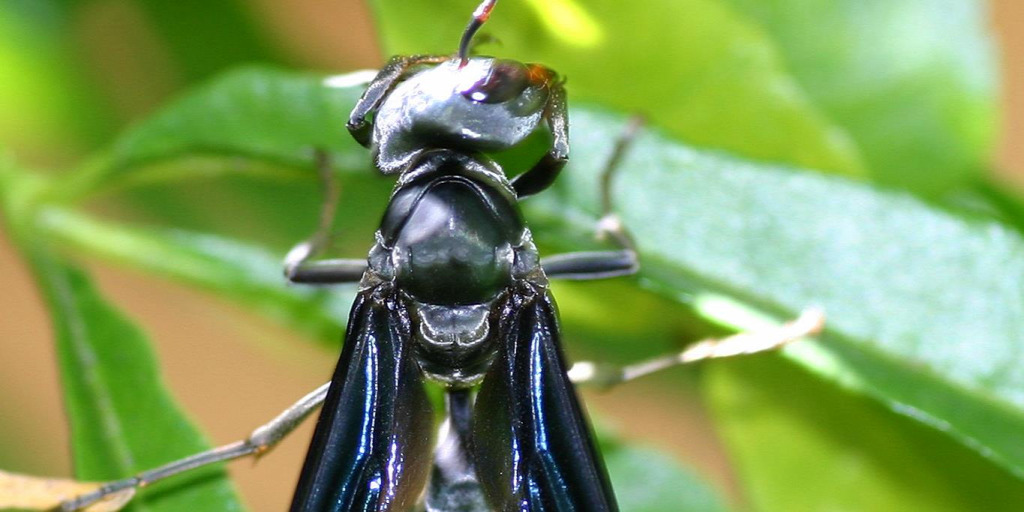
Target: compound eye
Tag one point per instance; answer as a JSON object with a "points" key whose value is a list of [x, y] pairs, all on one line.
{"points": [[506, 80]]}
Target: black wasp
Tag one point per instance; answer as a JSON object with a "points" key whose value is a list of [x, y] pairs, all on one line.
{"points": [[455, 292]]}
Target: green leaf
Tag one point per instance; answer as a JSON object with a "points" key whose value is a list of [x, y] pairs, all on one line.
{"points": [[987, 197], [237, 154], [925, 310], [244, 273], [903, 326], [648, 481], [799, 444], [274, 119], [710, 77], [204, 38], [914, 82], [122, 418]]}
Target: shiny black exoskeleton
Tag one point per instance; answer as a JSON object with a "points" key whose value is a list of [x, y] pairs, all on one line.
{"points": [[454, 291]]}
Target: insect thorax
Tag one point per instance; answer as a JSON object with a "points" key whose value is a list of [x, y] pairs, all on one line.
{"points": [[454, 243]]}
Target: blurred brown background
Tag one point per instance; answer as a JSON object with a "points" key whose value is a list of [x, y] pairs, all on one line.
{"points": [[1008, 20], [230, 384]]}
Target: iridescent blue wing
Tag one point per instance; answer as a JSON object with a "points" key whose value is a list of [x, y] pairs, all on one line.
{"points": [[371, 450], [533, 448]]}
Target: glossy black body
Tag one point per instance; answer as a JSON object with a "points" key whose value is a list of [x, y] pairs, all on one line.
{"points": [[454, 292], [526, 444]]}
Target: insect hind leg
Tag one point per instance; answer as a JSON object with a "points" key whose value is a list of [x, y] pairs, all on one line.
{"points": [[453, 480], [259, 441], [601, 375]]}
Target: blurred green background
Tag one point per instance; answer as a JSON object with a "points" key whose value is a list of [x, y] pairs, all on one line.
{"points": [[75, 73]]}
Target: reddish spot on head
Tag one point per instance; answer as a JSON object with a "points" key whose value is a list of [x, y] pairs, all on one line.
{"points": [[539, 75]]}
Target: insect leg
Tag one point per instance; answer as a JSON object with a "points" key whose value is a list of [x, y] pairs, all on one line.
{"points": [[386, 78], [259, 442], [590, 264], [334, 271], [601, 375], [603, 264], [544, 172], [297, 265], [453, 481]]}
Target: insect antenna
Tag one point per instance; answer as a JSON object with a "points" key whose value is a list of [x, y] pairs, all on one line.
{"points": [[480, 15]]}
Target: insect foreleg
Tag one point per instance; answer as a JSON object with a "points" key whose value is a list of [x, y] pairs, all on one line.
{"points": [[387, 77], [544, 172]]}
